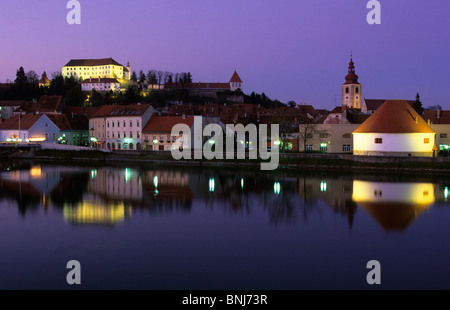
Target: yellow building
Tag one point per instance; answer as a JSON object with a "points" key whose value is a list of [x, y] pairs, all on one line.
{"points": [[96, 68]]}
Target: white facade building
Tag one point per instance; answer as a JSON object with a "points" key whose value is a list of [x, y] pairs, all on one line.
{"points": [[394, 129]]}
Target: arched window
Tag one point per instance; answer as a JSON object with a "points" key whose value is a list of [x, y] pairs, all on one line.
{"points": [[347, 90], [113, 146], [108, 146], [357, 90], [130, 146]]}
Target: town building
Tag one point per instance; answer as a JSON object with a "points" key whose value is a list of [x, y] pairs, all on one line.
{"points": [[158, 132], [100, 85], [95, 68], [119, 127], [439, 120], [29, 128], [394, 129], [44, 81], [211, 89]]}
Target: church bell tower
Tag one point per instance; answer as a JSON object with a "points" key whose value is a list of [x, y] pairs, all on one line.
{"points": [[351, 89]]}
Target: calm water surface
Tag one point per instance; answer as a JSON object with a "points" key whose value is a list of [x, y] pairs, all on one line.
{"points": [[188, 229]]}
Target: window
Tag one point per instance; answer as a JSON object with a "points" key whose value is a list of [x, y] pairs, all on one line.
{"points": [[138, 135], [324, 147], [131, 124], [443, 136], [346, 148], [118, 124], [124, 134], [347, 90], [378, 140], [323, 135], [174, 138], [168, 138], [161, 138], [118, 135], [357, 90], [113, 134], [426, 140], [138, 123], [346, 135], [124, 124], [107, 124], [54, 136], [309, 147]]}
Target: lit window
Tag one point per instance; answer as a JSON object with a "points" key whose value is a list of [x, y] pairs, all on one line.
{"points": [[426, 140]]}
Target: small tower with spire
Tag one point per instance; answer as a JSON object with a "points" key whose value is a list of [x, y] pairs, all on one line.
{"points": [[351, 89], [236, 82]]}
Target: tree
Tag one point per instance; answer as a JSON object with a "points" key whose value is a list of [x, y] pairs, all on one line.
{"points": [[32, 77], [418, 105], [307, 131], [133, 76], [142, 78], [21, 78], [292, 104]]}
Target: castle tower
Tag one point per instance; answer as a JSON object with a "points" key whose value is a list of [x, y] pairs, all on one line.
{"points": [[236, 82], [351, 89]]}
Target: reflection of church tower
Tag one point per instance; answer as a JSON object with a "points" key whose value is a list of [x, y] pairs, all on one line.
{"points": [[351, 89]]}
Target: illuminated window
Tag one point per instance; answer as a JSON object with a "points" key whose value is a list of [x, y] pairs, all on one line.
{"points": [[426, 140], [378, 140]]}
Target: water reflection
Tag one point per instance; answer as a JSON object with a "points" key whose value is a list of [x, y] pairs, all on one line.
{"points": [[108, 195], [394, 205]]}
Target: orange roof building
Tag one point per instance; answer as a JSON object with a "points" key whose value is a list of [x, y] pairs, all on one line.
{"points": [[158, 132], [394, 129]]}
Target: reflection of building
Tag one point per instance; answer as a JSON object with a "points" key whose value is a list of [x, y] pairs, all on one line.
{"points": [[393, 205], [168, 185], [88, 212], [113, 184]]}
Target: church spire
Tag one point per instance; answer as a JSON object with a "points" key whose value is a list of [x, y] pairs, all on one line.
{"points": [[351, 77]]}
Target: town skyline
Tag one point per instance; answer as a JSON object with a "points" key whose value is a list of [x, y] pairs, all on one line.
{"points": [[270, 45]]}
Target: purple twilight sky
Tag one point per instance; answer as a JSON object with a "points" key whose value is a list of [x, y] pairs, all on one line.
{"points": [[290, 50]]}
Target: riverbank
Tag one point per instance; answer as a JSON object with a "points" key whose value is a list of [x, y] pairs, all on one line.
{"points": [[291, 161]]}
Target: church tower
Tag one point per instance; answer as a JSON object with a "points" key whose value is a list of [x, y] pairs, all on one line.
{"points": [[351, 89]]}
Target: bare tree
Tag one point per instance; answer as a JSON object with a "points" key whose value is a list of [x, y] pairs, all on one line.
{"points": [[307, 131]]}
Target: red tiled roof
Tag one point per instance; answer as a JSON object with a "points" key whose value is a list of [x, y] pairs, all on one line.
{"points": [[395, 116], [24, 123], [12, 103], [432, 116], [60, 120], [235, 78], [121, 110], [164, 124], [374, 104], [85, 111]]}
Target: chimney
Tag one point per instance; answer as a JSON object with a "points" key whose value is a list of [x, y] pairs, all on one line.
{"points": [[183, 116], [438, 114]]}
